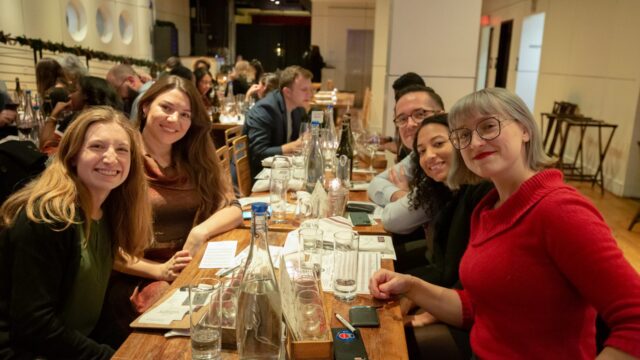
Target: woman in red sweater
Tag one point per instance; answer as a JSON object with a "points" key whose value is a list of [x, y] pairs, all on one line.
{"points": [[540, 262]]}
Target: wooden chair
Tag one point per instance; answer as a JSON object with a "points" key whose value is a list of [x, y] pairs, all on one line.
{"points": [[241, 161], [225, 161], [366, 108], [232, 134]]}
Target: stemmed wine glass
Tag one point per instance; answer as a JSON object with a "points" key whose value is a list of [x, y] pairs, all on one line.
{"points": [[25, 125], [372, 144]]}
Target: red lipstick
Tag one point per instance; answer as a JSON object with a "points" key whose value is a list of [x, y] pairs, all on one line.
{"points": [[483, 155]]}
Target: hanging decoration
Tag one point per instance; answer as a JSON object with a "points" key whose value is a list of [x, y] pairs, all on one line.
{"points": [[38, 45]]}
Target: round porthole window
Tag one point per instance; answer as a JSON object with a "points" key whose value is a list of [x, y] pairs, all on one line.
{"points": [[76, 20], [126, 27], [104, 24]]}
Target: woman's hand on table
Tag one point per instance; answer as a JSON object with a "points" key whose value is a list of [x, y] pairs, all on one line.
{"points": [[197, 236], [385, 284], [174, 266]]}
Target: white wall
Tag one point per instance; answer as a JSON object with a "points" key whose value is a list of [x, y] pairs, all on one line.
{"points": [[330, 21], [590, 56], [438, 39]]}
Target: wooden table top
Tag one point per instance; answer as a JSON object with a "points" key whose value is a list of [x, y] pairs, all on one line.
{"points": [[293, 223], [343, 100], [385, 342]]}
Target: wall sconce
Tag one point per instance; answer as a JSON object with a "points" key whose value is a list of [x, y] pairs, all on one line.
{"points": [[279, 50]]}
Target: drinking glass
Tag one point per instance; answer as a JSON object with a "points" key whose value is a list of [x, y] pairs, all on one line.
{"points": [[25, 125], [311, 248], [278, 185], [345, 265], [305, 135], [204, 319], [310, 314], [372, 146]]}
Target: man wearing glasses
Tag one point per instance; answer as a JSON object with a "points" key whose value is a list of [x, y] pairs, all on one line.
{"points": [[390, 188], [129, 86]]}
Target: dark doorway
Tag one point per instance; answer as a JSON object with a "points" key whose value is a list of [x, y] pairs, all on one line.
{"points": [[260, 41], [504, 46]]}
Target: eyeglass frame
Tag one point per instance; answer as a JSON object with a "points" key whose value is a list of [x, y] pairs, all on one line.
{"points": [[492, 117], [405, 122]]}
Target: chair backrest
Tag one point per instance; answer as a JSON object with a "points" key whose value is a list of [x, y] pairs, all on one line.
{"points": [[366, 108], [241, 160], [224, 156], [232, 134]]}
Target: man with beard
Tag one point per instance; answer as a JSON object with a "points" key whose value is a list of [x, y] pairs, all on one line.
{"points": [[390, 188], [129, 86]]}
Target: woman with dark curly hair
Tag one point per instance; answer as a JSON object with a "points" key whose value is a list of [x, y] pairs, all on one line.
{"points": [[88, 92], [448, 231], [447, 236]]}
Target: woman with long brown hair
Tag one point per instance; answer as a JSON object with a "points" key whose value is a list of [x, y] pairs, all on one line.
{"points": [[192, 200], [61, 234]]}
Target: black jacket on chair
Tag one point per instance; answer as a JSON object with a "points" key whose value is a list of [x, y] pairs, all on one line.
{"points": [[266, 128]]}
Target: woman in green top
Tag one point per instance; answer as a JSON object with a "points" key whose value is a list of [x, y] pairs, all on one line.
{"points": [[60, 235]]}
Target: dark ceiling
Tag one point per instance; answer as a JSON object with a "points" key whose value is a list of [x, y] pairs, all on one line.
{"points": [[304, 5]]}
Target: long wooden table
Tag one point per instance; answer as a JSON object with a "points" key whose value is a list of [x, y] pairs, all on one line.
{"points": [[293, 223], [385, 342]]}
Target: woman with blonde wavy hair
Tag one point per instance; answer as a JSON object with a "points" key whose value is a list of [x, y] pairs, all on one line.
{"points": [[192, 200], [61, 234]]}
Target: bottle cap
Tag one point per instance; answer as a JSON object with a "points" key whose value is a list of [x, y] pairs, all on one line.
{"points": [[259, 207]]}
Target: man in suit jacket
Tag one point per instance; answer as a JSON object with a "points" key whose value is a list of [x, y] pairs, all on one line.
{"points": [[272, 125]]}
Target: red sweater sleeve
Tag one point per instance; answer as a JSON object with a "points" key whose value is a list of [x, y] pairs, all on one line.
{"points": [[583, 248], [467, 309]]}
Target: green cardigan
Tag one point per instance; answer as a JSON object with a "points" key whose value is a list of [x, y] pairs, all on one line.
{"points": [[37, 269]]}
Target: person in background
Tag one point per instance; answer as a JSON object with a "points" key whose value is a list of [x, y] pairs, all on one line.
{"points": [[267, 83], [8, 116], [256, 71], [239, 78], [89, 91], [191, 197], [183, 72], [540, 263], [171, 63], [201, 63], [391, 187], [129, 86], [74, 69], [204, 83], [313, 61], [51, 84], [273, 123], [60, 235]]}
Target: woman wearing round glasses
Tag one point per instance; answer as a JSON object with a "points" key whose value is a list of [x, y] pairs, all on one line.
{"points": [[540, 262]]}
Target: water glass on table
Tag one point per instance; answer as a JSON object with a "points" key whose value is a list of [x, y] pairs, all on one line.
{"points": [[278, 186], [311, 242], [311, 318], [205, 319], [345, 265]]}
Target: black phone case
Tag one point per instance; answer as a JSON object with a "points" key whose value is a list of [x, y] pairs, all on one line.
{"points": [[363, 316], [347, 345], [358, 207], [359, 218]]}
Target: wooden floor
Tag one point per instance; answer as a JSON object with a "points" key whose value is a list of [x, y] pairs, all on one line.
{"points": [[618, 213]]}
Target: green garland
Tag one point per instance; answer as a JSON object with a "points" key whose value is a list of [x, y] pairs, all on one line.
{"points": [[39, 45]]}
